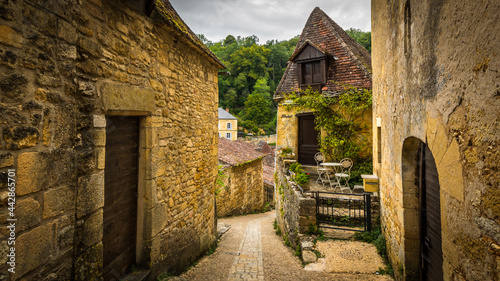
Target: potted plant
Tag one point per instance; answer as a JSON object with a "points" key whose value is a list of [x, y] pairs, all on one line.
{"points": [[287, 153]]}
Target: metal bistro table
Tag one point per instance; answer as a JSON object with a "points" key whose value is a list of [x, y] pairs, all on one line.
{"points": [[334, 167]]}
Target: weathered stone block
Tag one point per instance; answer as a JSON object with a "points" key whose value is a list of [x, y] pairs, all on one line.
{"points": [[88, 266], [38, 171], [126, 97], [90, 194], [6, 160], [89, 46], [159, 218], [99, 121], [58, 201], [10, 37], [450, 172], [33, 248], [92, 230], [28, 213], [99, 137], [100, 158], [14, 86], [309, 257]]}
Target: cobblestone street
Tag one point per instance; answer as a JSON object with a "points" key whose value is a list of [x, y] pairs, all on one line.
{"points": [[250, 250]]}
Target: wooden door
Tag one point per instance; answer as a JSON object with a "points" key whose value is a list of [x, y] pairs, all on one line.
{"points": [[120, 196], [430, 214], [308, 139]]}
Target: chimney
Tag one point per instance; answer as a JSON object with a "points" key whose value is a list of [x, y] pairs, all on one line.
{"points": [[227, 109]]}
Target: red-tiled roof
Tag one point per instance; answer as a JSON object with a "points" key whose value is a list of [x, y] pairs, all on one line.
{"points": [[237, 152], [351, 65]]}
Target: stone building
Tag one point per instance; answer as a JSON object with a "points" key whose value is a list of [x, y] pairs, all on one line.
{"points": [[228, 125], [243, 190], [325, 55], [436, 101], [108, 120]]}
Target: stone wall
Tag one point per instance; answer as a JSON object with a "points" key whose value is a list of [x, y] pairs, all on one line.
{"points": [[244, 189], [435, 81], [65, 66], [294, 211]]}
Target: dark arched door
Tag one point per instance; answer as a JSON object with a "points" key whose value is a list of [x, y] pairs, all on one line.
{"points": [[430, 215]]}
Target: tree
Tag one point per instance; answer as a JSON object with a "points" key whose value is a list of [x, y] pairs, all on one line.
{"points": [[258, 106], [363, 38]]}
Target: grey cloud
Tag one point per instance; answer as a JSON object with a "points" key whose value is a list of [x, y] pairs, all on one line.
{"points": [[267, 19]]}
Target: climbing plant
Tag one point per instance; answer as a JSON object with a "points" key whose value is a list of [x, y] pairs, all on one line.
{"points": [[339, 117]]}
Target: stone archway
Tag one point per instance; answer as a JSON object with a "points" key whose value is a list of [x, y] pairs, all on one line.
{"points": [[422, 212], [411, 216]]}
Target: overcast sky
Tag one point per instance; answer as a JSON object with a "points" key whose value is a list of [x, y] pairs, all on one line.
{"points": [[267, 19]]}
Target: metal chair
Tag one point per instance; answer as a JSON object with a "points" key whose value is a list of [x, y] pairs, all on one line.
{"points": [[344, 175], [322, 171]]}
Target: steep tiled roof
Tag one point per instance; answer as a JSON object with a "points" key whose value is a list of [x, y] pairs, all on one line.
{"points": [[237, 152], [226, 115], [348, 62], [167, 13]]}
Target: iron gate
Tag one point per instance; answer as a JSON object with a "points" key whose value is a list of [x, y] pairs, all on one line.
{"points": [[350, 212]]}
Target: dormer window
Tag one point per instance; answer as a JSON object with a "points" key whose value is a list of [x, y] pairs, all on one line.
{"points": [[312, 66]]}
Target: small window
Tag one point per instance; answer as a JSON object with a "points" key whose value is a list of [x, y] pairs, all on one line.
{"points": [[229, 126], [228, 135], [312, 74], [219, 135]]}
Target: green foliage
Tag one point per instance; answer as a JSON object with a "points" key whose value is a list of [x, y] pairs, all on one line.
{"points": [[275, 224], [341, 118], [363, 38], [248, 62], [363, 168], [298, 251], [164, 276], [286, 151], [219, 180], [278, 230], [300, 176], [211, 249]]}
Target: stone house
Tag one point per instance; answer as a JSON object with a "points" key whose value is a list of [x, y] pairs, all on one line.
{"points": [[228, 125], [108, 113], [325, 55], [243, 190], [436, 135]]}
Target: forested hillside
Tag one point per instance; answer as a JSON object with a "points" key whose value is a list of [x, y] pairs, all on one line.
{"points": [[253, 73]]}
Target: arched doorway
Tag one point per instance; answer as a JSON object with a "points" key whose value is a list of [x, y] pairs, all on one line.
{"points": [[422, 213]]}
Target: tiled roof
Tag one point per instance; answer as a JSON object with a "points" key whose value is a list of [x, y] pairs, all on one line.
{"points": [[268, 174], [226, 115], [351, 65], [237, 152], [167, 13]]}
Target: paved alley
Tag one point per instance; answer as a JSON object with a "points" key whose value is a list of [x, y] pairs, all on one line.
{"points": [[250, 250]]}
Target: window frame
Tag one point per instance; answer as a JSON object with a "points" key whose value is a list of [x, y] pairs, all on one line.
{"points": [[228, 136]]}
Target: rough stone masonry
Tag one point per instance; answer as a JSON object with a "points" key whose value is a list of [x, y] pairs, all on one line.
{"points": [[65, 66]]}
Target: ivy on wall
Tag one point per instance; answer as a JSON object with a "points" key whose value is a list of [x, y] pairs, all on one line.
{"points": [[340, 118]]}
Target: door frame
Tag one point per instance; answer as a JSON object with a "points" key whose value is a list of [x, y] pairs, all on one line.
{"points": [[299, 115], [144, 187]]}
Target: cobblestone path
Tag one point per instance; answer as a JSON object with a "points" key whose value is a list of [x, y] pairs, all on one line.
{"points": [[250, 250], [248, 264]]}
